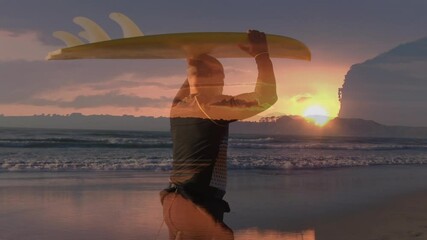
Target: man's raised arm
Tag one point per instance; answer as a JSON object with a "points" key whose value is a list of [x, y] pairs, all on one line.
{"points": [[264, 95]]}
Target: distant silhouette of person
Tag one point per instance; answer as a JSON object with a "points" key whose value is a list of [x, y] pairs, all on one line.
{"points": [[193, 205]]}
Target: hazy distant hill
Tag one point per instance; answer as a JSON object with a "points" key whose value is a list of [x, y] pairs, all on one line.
{"points": [[80, 121], [295, 125], [286, 125], [390, 88]]}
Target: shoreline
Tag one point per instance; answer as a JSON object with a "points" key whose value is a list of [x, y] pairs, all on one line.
{"points": [[231, 170]]}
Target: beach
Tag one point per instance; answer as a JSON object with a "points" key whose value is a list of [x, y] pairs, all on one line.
{"points": [[380, 202], [404, 217]]}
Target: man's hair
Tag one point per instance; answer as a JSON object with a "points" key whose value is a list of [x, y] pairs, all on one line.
{"points": [[209, 66]]}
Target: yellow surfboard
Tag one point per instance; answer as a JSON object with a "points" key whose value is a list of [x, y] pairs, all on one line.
{"points": [[181, 45]]}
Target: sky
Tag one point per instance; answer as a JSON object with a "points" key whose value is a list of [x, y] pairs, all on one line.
{"points": [[338, 33]]}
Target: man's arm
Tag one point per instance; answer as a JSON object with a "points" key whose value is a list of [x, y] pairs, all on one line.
{"points": [[264, 95], [265, 88]]}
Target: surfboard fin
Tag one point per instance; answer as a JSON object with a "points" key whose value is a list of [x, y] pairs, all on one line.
{"points": [[94, 32], [84, 35], [129, 28], [68, 38]]}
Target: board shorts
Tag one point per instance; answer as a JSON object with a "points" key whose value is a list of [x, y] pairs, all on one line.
{"points": [[194, 219]]}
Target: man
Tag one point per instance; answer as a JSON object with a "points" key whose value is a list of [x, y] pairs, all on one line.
{"points": [[200, 116]]}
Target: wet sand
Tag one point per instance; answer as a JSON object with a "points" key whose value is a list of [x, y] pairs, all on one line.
{"points": [[402, 218], [373, 203]]}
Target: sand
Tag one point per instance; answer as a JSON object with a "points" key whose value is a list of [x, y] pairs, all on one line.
{"points": [[401, 218], [373, 203]]}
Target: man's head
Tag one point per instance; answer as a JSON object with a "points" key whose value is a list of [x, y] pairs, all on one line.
{"points": [[205, 75]]}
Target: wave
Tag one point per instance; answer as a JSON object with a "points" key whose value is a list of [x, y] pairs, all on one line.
{"points": [[367, 147], [256, 143], [84, 143], [166, 165], [259, 140], [313, 161]]}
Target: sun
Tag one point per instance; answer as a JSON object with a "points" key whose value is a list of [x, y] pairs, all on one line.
{"points": [[316, 114]]}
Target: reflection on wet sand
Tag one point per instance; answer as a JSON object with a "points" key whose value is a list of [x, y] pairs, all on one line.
{"points": [[186, 220], [85, 206], [255, 234]]}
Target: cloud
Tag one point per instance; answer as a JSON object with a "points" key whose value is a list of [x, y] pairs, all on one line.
{"points": [[300, 98], [24, 80], [114, 99], [22, 46], [112, 85], [162, 85], [120, 84]]}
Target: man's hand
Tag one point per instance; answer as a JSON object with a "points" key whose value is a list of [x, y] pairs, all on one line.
{"points": [[257, 43]]}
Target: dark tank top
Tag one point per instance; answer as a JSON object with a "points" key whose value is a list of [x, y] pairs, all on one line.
{"points": [[199, 155]]}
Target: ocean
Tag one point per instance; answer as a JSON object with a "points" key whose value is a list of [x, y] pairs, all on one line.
{"points": [[97, 150], [86, 184]]}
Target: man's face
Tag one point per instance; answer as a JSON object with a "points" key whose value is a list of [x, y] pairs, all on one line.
{"points": [[205, 73]]}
